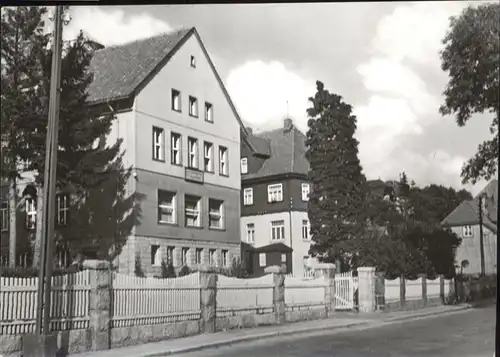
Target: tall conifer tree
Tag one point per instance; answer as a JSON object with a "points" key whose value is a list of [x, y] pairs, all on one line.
{"points": [[337, 204]]}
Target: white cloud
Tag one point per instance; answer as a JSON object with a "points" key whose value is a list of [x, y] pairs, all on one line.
{"points": [[111, 26], [260, 91], [401, 106]]}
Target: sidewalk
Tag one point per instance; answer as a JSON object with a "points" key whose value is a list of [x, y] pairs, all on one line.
{"points": [[342, 320]]}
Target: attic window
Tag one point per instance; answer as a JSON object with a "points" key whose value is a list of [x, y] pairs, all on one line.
{"points": [[193, 62], [467, 231]]}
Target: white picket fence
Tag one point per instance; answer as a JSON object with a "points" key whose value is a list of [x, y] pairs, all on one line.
{"points": [[150, 301], [242, 296], [69, 303], [310, 291], [413, 289]]}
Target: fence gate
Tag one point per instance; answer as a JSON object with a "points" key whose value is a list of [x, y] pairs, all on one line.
{"points": [[344, 291]]}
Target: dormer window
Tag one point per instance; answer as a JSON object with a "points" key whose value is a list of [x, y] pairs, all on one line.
{"points": [[193, 62]]}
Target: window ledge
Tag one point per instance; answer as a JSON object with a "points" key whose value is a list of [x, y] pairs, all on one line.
{"points": [[217, 229], [195, 227], [162, 223], [159, 160]]}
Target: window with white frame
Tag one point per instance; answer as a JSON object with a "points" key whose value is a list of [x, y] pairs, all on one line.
{"points": [[278, 230], [176, 100], [184, 256], [30, 213], [305, 229], [199, 255], [211, 257], [244, 165], [155, 255], [158, 140], [208, 150], [262, 259], [305, 192], [193, 153], [223, 169], [192, 210], [225, 257], [62, 202], [193, 62], [175, 142], [283, 257], [166, 207], [250, 233], [275, 193], [4, 216], [193, 106], [248, 196], [209, 112], [216, 213], [467, 231]]}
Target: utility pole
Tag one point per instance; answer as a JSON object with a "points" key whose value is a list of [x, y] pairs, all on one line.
{"points": [[45, 276], [481, 238]]}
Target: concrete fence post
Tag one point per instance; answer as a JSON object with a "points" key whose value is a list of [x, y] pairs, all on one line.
{"points": [[441, 289], [208, 299], [278, 274], [327, 271], [424, 288], [366, 289], [379, 291], [402, 291], [99, 303]]}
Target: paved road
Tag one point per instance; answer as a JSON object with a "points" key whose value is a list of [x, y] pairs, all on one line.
{"points": [[465, 334]]}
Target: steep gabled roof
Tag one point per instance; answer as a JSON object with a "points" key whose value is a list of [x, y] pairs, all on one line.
{"points": [[121, 71], [287, 153], [467, 212]]}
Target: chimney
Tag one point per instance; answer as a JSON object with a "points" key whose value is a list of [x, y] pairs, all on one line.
{"points": [[287, 124], [250, 131]]}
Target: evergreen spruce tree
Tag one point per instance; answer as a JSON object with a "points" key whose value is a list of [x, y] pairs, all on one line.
{"points": [[88, 169], [22, 42], [337, 207]]}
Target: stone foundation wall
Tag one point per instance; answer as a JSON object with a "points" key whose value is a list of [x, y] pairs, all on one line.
{"points": [[411, 305], [74, 341], [305, 315], [142, 247], [244, 321], [135, 335]]}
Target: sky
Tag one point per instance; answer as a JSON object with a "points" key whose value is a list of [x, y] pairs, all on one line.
{"points": [[382, 58]]}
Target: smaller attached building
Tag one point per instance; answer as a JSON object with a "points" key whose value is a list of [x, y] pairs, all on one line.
{"points": [[464, 221]]}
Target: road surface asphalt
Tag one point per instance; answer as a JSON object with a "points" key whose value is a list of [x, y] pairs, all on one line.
{"points": [[469, 333]]}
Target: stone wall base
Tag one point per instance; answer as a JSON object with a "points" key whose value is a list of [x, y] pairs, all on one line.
{"points": [[135, 335], [74, 341], [411, 305], [244, 321], [306, 314]]}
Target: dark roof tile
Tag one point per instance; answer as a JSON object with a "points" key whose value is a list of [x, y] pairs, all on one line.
{"points": [[119, 70], [287, 149]]}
